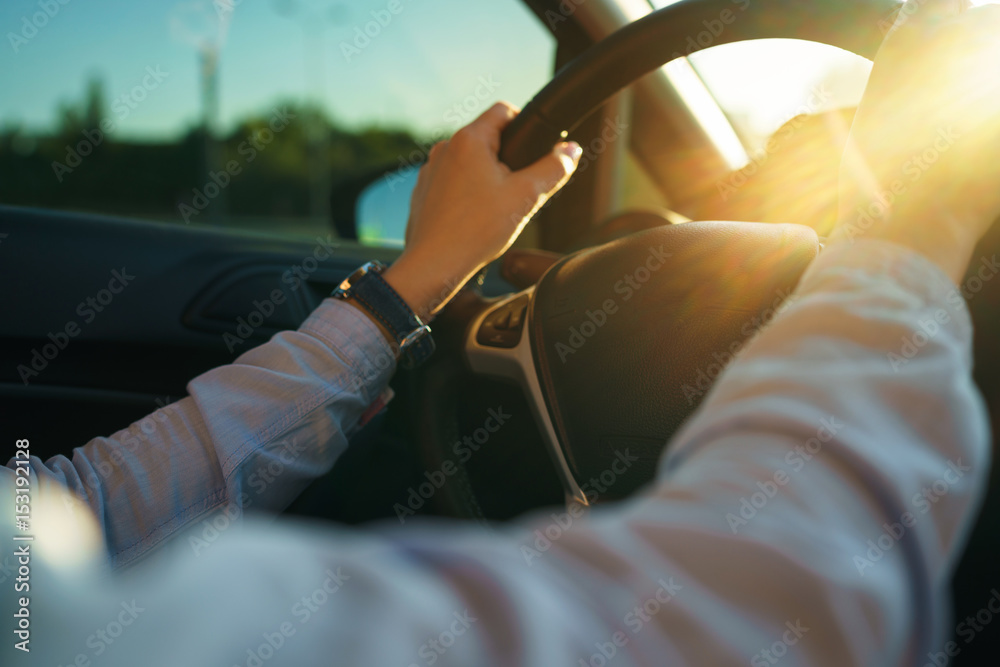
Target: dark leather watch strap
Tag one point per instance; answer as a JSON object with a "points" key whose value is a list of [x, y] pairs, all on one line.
{"points": [[369, 288]]}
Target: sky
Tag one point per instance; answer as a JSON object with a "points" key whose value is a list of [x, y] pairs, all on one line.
{"points": [[424, 59], [427, 57]]}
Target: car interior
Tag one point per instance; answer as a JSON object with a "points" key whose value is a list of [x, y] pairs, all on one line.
{"points": [[699, 205]]}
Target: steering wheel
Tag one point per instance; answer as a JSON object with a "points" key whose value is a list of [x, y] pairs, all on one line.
{"points": [[616, 345]]}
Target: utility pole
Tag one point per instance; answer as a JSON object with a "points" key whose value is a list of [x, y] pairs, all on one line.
{"points": [[212, 152], [312, 22], [205, 28]]}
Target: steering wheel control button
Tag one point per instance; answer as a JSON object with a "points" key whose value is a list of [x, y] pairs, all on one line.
{"points": [[502, 328], [517, 316]]}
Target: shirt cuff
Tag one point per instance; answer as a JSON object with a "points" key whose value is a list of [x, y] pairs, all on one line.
{"points": [[357, 341]]}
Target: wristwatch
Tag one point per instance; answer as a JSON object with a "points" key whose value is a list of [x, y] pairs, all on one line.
{"points": [[369, 288]]}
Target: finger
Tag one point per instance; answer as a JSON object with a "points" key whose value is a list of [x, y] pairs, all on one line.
{"points": [[491, 123], [436, 148], [552, 171], [431, 165]]}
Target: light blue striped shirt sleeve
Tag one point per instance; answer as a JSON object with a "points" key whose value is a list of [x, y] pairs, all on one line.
{"points": [[283, 409], [791, 519]]}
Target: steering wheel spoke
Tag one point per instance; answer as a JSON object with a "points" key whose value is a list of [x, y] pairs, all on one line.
{"points": [[503, 356], [615, 346]]}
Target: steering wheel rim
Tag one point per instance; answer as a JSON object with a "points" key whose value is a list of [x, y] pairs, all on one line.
{"points": [[665, 35], [578, 89]]}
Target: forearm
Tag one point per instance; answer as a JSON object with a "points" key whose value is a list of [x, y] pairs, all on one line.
{"points": [[815, 445], [669, 577], [850, 445], [251, 434]]}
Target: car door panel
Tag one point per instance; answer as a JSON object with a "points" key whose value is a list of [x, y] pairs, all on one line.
{"points": [[105, 318]]}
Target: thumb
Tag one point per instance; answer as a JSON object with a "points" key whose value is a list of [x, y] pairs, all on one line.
{"points": [[551, 172], [928, 12]]}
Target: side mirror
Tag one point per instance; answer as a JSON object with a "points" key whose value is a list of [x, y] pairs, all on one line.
{"points": [[382, 208]]}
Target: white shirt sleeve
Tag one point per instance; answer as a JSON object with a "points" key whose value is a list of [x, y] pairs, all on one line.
{"points": [[810, 513]]}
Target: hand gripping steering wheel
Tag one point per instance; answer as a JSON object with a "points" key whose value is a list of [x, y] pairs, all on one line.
{"points": [[616, 345]]}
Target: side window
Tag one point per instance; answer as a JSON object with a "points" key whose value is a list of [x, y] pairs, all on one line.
{"points": [[248, 113]]}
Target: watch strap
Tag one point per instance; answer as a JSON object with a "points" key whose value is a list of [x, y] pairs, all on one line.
{"points": [[385, 305]]}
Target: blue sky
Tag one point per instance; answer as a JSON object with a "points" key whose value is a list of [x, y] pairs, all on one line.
{"points": [[431, 55]]}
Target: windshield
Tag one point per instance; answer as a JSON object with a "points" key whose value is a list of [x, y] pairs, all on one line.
{"points": [[245, 114], [762, 84]]}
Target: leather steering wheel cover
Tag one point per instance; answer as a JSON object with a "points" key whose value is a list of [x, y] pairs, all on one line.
{"points": [[662, 36], [628, 382]]}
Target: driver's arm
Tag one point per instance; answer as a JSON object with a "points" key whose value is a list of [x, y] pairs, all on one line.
{"points": [[249, 436], [842, 560], [252, 434]]}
